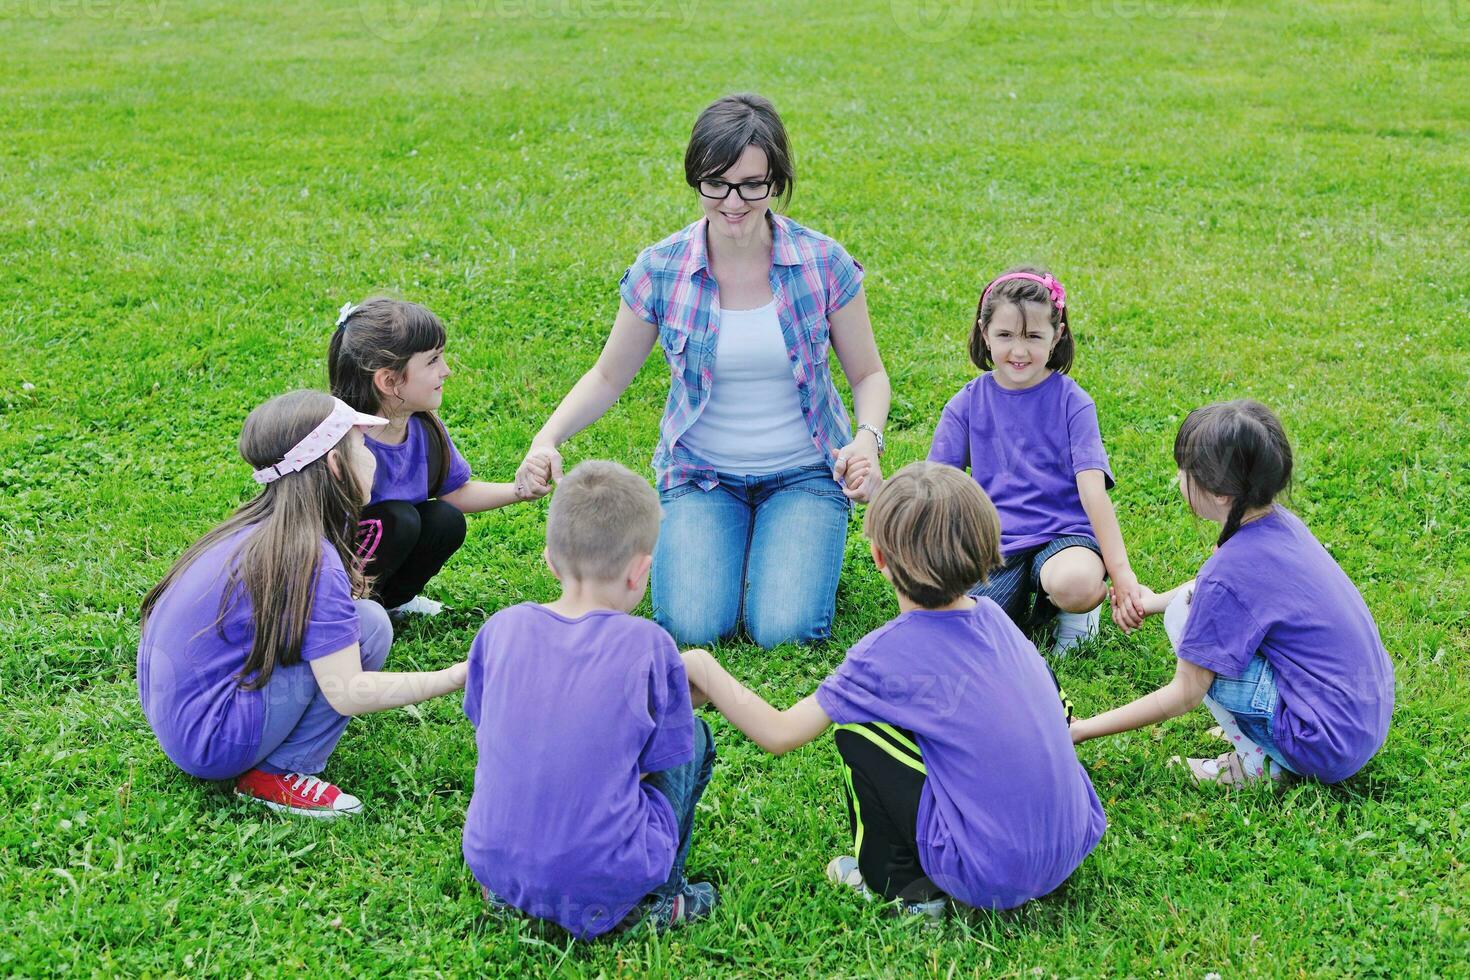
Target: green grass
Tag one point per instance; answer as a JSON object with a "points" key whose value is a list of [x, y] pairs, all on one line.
{"points": [[1242, 198]]}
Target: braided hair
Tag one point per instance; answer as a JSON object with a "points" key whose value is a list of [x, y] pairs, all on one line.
{"points": [[1236, 449]]}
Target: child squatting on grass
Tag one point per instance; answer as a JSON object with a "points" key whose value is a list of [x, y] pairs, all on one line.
{"points": [[961, 779], [590, 757], [254, 652], [1029, 435], [386, 358], [1270, 635]]}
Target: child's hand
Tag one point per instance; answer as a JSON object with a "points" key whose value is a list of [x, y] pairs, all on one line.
{"points": [[695, 662], [1125, 597], [537, 472], [856, 469]]}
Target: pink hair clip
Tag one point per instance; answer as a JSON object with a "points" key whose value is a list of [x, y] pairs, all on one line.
{"points": [[1058, 294]]}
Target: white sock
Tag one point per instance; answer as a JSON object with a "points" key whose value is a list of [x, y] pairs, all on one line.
{"points": [[1252, 756], [1074, 628]]}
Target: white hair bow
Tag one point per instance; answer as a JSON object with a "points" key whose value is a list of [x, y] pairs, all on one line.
{"points": [[346, 311]]}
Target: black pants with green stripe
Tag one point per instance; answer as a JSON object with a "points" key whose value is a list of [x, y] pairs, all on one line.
{"points": [[883, 779]]}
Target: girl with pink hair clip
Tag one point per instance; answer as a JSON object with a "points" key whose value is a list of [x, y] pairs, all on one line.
{"points": [[1029, 435]]}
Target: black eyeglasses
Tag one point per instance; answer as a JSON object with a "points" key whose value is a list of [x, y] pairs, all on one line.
{"points": [[749, 190]]}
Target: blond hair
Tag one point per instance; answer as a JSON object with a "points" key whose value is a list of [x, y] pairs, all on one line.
{"points": [[937, 531], [602, 516]]}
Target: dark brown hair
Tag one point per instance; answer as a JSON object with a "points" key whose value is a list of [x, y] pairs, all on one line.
{"points": [[275, 566], [938, 532], [385, 333], [601, 516], [1238, 450], [1019, 291], [726, 128]]}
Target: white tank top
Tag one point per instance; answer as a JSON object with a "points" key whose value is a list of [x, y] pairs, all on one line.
{"points": [[752, 423]]}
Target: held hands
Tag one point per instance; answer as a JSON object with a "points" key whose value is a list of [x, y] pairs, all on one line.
{"points": [[538, 471], [695, 666], [1125, 596], [857, 469]]}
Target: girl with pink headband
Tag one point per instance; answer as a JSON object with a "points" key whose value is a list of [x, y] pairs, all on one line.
{"points": [[256, 647], [1029, 435]]}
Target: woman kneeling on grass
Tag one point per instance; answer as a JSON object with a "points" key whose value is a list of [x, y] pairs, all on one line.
{"points": [[1271, 635], [961, 780], [253, 652], [757, 463]]}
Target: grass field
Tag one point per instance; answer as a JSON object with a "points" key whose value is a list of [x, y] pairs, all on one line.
{"points": [[1242, 198]]}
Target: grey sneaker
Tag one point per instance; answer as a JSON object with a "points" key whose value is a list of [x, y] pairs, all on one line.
{"points": [[843, 870], [696, 901], [931, 912]]}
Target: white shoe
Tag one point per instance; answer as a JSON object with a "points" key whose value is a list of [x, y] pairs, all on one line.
{"points": [[1075, 628], [420, 604], [843, 870]]}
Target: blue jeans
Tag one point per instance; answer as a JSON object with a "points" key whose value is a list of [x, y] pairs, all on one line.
{"points": [[683, 786], [763, 549], [1248, 701], [301, 728]]}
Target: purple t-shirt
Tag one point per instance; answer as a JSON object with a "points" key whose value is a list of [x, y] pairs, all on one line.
{"points": [[206, 723], [1273, 588], [403, 470], [1025, 448], [1007, 811], [568, 713]]}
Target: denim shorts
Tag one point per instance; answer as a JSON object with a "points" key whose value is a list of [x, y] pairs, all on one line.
{"points": [[1016, 586], [1251, 699]]}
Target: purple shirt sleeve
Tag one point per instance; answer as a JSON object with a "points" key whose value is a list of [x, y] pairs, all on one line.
{"points": [[636, 289], [474, 683], [332, 623], [1086, 440], [459, 470], [951, 444], [852, 694], [672, 741], [1220, 634], [844, 278]]}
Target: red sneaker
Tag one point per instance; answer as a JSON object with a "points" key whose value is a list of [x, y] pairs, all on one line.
{"points": [[294, 792]]}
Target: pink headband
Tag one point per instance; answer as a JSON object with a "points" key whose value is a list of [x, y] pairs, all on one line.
{"points": [[1058, 294], [317, 442]]}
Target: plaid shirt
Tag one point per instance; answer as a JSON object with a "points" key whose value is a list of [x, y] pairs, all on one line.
{"points": [[670, 286]]}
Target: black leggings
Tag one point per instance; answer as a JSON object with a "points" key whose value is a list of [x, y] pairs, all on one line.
{"points": [[883, 780], [413, 543]]}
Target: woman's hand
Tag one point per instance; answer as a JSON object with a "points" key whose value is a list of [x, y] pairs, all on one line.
{"points": [[857, 468], [538, 472]]}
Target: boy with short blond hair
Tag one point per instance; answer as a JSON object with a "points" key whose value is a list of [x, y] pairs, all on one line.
{"points": [[961, 778], [590, 757]]}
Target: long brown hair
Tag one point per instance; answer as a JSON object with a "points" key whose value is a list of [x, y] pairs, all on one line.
{"points": [[386, 333], [275, 566]]}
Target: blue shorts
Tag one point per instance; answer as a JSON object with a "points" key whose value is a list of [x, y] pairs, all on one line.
{"points": [[1016, 586], [1251, 700]]}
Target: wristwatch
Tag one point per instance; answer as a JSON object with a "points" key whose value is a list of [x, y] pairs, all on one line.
{"points": [[877, 434]]}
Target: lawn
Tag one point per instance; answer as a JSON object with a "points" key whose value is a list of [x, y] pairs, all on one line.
{"points": [[1243, 199]]}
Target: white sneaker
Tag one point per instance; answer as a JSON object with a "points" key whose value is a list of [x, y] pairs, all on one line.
{"points": [[843, 870], [420, 604], [1075, 628]]}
